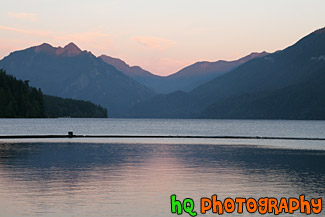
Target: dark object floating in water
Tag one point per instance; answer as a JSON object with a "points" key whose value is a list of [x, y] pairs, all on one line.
{"points": [[71, 135]]}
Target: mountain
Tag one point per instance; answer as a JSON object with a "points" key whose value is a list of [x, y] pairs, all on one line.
{"points": [[290, 66], [154, 82], [183, 80], [132, 71], [291, 80], [198, 73], [71, 73]]}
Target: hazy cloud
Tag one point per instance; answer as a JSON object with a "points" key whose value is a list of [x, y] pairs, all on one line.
{"points": [[23, 16], [153, 42], [25, 31]]}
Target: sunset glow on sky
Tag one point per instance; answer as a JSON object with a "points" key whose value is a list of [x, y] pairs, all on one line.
{"points": [[160, 36]]}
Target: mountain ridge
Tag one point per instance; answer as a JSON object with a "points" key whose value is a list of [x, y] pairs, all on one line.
{"points": [[269, 74], [234, 91], [185, 79], [77, 75]]}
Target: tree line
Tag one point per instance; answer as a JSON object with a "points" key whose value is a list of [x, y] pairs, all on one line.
{"points": [[20, 100]]}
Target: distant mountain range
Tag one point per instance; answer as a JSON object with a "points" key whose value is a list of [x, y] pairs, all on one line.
{"points": [[71, 73], [287, 84], [186, 79]]}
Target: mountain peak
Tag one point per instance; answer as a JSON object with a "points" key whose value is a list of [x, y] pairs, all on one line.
{"points": [[70, 49], [45, 47]]}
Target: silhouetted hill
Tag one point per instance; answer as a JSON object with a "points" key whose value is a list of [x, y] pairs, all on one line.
{"points": [[72, 73], [185, 79], [305, 100], [19, 100], [273, 79], [59, 107]]}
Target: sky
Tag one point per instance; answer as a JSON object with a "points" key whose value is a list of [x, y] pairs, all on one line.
{"points": [[160, 36]]}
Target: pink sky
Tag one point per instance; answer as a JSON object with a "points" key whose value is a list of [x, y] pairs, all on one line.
{"points": [[160, 36]]}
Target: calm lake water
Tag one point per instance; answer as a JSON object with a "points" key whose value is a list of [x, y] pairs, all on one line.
{"points": [[135, 177]]}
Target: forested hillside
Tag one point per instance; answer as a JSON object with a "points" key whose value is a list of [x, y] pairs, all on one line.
{"points": [[60, 107], [19, 100]]}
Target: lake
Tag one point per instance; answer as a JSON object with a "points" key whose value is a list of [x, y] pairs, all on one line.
{"points": [[136, 177]]}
